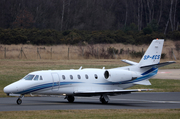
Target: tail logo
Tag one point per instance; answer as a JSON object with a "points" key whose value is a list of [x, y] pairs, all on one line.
{"points": [[146, 57]]}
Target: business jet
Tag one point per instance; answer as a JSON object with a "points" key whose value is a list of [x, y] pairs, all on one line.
{"points": [[91, 81]]}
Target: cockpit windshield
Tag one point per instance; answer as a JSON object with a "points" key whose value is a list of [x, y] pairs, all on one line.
{"points": [[36, 77], [33, 77], [29, 77]]}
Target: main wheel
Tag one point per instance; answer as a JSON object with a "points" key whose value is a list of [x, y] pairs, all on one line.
{"points": [[103, 100], [19, 101], [70, 98]]}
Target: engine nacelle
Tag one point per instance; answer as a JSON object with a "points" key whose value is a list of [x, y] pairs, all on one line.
{"points": [[116, 75]]}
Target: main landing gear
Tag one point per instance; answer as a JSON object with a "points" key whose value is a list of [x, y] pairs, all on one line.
{"points": [[19, 100], [104, 99], [70, 98]]}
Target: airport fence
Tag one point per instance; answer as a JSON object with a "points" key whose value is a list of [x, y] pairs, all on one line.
{"points": [[68, 52]]}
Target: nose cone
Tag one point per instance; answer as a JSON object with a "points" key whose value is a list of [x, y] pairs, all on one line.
{"points": [[12, 88], [8, 89]]}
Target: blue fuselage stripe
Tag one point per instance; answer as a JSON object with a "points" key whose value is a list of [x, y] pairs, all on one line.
{"points": [[45, 86]]}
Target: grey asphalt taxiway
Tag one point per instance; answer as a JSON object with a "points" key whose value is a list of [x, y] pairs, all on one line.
{"points": [[142, 100]]}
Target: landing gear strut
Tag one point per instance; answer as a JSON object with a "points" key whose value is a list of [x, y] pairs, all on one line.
{"points": [[70, 98], [19, 100], [104, 99]]}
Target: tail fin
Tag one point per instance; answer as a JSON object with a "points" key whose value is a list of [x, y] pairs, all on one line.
{"points": [[152, 55], [149, 63]]}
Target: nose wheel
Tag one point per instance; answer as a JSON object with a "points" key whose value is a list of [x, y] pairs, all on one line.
{"points": [[19, 100]]}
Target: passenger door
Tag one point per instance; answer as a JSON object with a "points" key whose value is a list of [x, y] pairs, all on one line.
{"points": [[56, 81]]}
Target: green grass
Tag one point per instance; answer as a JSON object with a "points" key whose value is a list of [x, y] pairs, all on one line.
{"points": [[95, 114]]}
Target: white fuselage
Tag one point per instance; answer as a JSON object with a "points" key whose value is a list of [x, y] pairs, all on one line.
{"points": [[66, 82]]}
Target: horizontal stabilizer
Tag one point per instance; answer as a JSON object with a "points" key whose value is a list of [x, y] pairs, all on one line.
{"points": [[158, 65], [144, 82], [108, 92], [129, 62]]}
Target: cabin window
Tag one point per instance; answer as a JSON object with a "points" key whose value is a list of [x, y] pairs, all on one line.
{"points": [[41, 78], [79, 77], [95, 75], [36, 77], [29, 77], [86, 76], [71, 77], [63, 77]]}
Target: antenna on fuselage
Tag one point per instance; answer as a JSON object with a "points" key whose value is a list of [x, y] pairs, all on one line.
{"points": [[103, 68], [80, 68]]}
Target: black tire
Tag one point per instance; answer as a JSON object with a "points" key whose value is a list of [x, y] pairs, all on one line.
{"points": [[70, 99], [19, 101], [103, 101]]}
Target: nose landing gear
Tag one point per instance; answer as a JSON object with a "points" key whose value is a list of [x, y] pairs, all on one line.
{"points": [[19, 100]]}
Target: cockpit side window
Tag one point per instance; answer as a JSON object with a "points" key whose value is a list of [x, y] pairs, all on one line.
{"points": [[36, 77], [41, 78], [29, 77]]}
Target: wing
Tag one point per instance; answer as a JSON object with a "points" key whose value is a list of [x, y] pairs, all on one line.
{"points": [[107, 92]]}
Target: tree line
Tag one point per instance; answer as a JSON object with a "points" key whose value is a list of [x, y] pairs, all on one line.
{"points": [[79, 37], [91, 21], [90, 14]]}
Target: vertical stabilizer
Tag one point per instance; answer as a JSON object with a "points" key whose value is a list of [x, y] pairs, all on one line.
{"points": [[153, 53]]}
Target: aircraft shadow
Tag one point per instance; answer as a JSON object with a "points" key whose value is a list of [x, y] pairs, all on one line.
{"points": [[87, 103]]}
